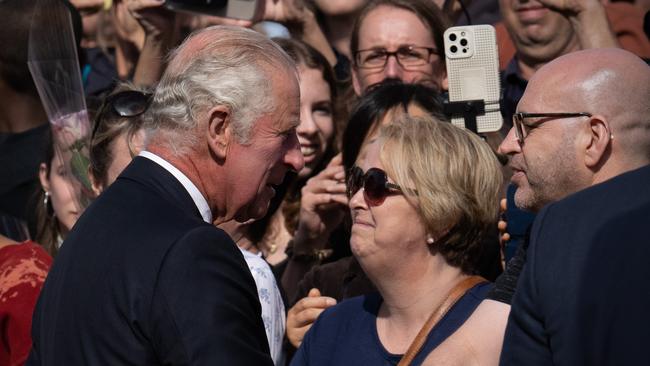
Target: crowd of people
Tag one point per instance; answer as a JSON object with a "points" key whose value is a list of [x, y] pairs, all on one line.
{"points": [[289, 190]]}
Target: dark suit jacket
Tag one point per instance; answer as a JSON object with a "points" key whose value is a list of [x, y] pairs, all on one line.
{"points": [[143, 280], [583, 297]]}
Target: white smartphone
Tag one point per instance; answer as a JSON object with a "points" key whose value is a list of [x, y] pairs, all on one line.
{"points": [[237, 9], [472, 60]]}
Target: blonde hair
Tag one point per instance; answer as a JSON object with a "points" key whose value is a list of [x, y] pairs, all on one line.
{"points": [[457, 179]]}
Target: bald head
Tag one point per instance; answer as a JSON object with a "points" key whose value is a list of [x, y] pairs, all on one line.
{"points": [[611, 83], [604, 130]]}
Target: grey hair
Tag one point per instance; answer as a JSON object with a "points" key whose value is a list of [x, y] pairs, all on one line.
{"points": [[220, 65]]}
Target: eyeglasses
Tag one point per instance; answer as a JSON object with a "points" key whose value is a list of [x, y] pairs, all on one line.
{"points": [[375, 185], [522, 129], [128, 103], [406, 56]]}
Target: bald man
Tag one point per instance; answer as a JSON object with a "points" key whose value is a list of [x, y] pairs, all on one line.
{"points": [[602, 132], [602, 141]]}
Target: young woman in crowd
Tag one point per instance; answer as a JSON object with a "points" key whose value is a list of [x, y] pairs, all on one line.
{"points": [[24, 265], [422, 196], [58, 211]]}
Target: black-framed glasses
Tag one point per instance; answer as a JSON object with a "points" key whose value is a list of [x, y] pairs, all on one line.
{"points": [[374, 183], [128, 103], [406, 56], [522, 128]]}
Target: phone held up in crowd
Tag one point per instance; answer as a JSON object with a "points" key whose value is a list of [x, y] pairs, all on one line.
{"points": [[472, 60]]}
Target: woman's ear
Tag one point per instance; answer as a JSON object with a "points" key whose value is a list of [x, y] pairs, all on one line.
{"points": [[43, 177], [96, 186], [219, 130]]}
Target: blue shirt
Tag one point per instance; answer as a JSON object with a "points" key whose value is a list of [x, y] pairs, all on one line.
{"points": [[518, 220], [346, 334]]}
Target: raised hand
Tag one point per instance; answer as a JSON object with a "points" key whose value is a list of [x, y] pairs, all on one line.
{"points": [[322, 206], [572, 7], [304, 313], [152, 16]]}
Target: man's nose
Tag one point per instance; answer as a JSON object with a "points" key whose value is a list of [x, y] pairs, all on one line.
{"points": [[393, 70], [293, 156], [510, 145]]}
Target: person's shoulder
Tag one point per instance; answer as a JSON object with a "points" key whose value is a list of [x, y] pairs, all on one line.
{"points": [[206, 238], [343, 324], [479, 291], [27, 253], [351, 310]]}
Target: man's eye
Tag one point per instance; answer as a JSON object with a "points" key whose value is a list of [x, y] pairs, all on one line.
{"points": [[410, 54], [375, 55], [288, 133]]}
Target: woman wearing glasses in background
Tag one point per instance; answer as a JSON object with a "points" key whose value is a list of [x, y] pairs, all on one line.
{"points": [[422, 197]]}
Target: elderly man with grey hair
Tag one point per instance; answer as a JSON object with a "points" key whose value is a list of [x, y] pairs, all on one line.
{"points": [[145, 278]]}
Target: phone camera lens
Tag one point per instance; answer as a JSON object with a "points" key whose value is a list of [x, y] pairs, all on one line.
{"points": [[452, 37], [453, 49], [463, 42], [464, 50]]}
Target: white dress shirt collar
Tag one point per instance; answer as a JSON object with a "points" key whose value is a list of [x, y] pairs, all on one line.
{"points": [[200, 201]]}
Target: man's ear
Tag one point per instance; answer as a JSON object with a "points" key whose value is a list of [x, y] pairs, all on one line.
{"points": [[355, 82], [599, 141], [444, 84], [219, 130]]}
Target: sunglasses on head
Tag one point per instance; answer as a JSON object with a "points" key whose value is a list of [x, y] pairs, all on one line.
{"points": [[128, 103], [374, 183]]}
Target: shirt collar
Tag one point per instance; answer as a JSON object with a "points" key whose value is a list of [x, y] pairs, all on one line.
{"points": [[200, 201]]}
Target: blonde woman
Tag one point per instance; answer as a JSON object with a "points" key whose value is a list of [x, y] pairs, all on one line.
{"points": [[422, 198]]}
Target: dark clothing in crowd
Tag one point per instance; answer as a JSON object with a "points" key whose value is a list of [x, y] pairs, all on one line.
{"points": [[346, 334], [142, 279], [98, 74], [513, 86], [340, 280], [505, 286], [582, 298], [20, 157], [480, 12], [342, 67]]}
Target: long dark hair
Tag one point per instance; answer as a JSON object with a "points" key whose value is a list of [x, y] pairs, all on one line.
{"points": [[373, 106], [47, 225]]}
